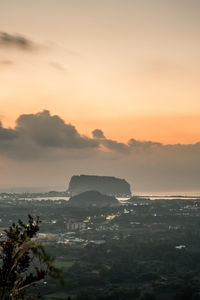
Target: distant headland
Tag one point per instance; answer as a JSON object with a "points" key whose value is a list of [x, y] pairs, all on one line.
{"points": [[108, 185]]}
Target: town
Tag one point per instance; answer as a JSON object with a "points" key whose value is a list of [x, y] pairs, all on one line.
{"points": [[138, 246]]}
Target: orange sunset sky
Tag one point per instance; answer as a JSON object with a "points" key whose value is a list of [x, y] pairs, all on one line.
{"points": [[130, 67], [106, 87]]}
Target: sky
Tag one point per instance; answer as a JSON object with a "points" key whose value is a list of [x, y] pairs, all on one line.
{"points": [[106, 87]]}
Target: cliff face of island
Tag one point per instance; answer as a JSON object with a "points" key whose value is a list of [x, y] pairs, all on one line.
{"points": [[104, 184], [92, 198]]}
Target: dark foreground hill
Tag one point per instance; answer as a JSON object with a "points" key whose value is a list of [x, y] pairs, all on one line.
{"points": [[104, 184], [92, 198]]}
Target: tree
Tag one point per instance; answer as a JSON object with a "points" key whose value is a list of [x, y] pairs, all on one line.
{"points": [[23, 260]]}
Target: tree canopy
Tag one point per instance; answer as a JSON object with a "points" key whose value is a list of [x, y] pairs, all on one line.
{"points": [[23, 260]]}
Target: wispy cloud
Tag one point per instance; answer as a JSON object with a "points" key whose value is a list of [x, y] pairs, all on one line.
{"points": [[57, 66], [17, 41], [6, 62]]}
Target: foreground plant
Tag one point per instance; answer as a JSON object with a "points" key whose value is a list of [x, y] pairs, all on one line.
{"points": [[23, 260]]}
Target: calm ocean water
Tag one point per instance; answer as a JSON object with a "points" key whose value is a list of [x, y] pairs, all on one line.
{"points": [[170, 195], [151, 196]]}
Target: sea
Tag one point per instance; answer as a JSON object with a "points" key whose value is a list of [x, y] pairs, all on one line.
{"points": [[150, 196]]}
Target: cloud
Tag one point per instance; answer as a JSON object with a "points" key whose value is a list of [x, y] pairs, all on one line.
{"points": [[57, 66], [18, 41], [116, 146], [37, 134], [132, 143], [109, 144], [6, 62], [98, 133], [7, 134], [52, 131], [41, 142]]}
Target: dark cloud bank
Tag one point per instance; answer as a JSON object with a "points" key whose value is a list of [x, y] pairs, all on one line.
{"points": [[43, 138], [35, 134]]}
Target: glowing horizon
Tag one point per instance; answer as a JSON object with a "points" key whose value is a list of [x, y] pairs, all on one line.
{"points": [[153, 128]]}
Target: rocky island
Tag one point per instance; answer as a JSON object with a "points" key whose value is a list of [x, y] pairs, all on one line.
{"points": [[92, 198], [104, 184]]}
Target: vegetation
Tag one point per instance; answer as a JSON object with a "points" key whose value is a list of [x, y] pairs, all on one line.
{"points": [[23, 261], [142, 250], [92, 198]]}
